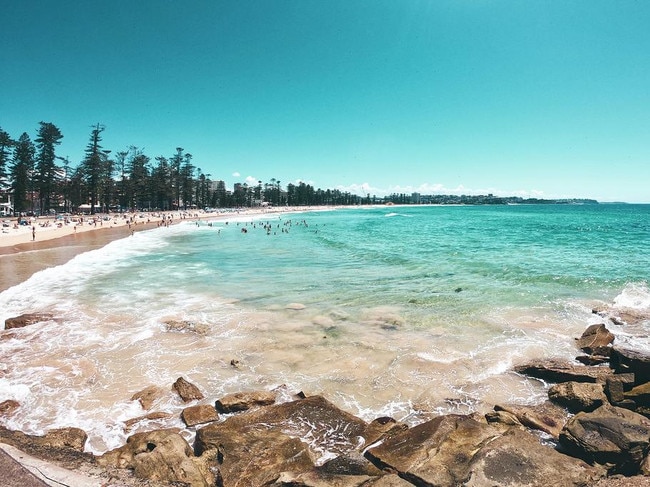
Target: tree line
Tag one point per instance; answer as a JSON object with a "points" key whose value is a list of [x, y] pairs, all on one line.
{"points": [[41, 182]]}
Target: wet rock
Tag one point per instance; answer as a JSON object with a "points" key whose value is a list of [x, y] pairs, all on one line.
{"points": [[161, 455], [437, 452], [319, 479], [295, 306], [325, 427], [353, 463], [596, 340], [73, 438], [255, 455], [147, 396], [388, 480], [518, 458], [593, 359], [186, 390], [546, 417], [184, 326], [26, 320], [158, 415], [8, 407], [456, 450], [61, 439], [200, 414], [381, 428], [624, 360], [560, 371], [640, 395], [242, 401], [578, 396], [64, 446], [610, 436]]}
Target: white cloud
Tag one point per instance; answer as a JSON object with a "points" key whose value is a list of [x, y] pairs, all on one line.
{"points": [[236, 174], [251, 181]]}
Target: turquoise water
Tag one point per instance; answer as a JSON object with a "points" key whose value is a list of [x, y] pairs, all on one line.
{"points": [[407, 311]]}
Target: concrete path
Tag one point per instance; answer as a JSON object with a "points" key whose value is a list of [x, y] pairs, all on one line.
{"points": [[17, 469]]}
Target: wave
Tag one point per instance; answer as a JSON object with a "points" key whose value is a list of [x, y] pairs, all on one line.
{"points": [[635, 296]]}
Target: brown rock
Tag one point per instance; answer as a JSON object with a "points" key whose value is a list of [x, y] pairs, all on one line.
{"points": [[255, 455], [559, 371], [314, 419], [26, 320], [319, 479], [241, 401], [437, 452], [639, 394], [64, 446], [73, 438], [353, 463], [611, 436], [517, 458], [161, 455], [546, 417], [625, 360], [186, 390], [578, 396], [381, 428], [8, 407], [147, 417], [148, 396], [595, 340], [456, 450], [200, 414]]}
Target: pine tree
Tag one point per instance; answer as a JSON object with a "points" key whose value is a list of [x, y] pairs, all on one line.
{"points": [[5, 146], [49, 136], [22, 172], [92, 165]]}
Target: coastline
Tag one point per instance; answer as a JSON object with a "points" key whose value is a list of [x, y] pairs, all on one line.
{"points": [[21, 257]]}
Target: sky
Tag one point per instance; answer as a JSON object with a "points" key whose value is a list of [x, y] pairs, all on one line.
{"points": [[547, 98]]}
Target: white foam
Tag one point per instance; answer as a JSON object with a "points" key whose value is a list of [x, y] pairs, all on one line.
{"points": [[635, 295]]}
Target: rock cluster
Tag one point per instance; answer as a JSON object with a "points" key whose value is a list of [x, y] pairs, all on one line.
{"points": [[593, 429]]}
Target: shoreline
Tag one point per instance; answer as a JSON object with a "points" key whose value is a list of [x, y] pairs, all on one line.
{"points": [[21, 257]]}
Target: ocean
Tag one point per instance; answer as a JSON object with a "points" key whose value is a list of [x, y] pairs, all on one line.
{"points": [[405, 311]]}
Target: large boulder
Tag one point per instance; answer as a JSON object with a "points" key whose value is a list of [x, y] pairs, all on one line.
{"points": [[148, 396], [518, 458], [611, 436], [624, 360], [319, 422], [255, 447], [161, 455], [561, 371], [26, 320], [578, 396], [456, 450], [256, 455], [546, 417], [199, 414], [437, 452], [242, 401], [186, 390], [596, 340]]}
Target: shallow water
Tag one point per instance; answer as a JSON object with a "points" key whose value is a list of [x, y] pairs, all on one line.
{"points": [[401, 311]]}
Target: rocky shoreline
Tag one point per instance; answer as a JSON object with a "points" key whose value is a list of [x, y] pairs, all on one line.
{"points": [[593, 430]]}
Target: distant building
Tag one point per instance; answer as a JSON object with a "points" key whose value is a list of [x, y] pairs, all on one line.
{"points": [[416, 198]]}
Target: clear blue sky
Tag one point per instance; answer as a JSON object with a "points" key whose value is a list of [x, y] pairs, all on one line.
{"points": [[538, 98]]}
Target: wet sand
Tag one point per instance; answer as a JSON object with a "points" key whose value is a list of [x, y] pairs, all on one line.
{"points": [[19, 261]]}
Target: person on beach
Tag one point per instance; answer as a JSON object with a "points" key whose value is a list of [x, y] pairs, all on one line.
{"points": [[33, 232]]}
